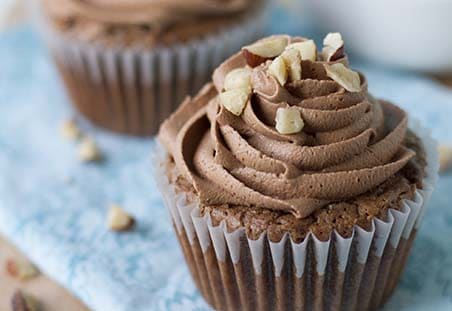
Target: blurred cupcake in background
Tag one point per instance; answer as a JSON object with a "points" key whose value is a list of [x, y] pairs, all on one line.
{"points": [[127, 64]]}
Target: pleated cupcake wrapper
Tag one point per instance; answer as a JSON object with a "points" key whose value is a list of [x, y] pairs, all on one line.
{"points": [[132, 90], [355, 273]]}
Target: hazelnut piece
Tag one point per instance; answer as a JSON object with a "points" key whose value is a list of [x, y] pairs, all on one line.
{"points": [[333, 48], [24, 302], [278, 70], [89, 151], [265, 49], [288, 121], [21, 269], [70, 130], [235, 100], [238, 78], [292, 60], [307, 49], [344, 76], [445, 158], [118, 219]]}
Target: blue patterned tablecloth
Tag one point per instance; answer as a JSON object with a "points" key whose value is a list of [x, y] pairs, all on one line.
{"points": [[53, 207]]}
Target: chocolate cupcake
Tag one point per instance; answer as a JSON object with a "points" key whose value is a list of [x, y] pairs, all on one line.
{"points": [[128, 64], [290, 186]]}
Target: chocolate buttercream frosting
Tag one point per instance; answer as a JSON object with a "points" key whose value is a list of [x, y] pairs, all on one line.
{"points": [[147, 22], [350, 143], [144, 11]]}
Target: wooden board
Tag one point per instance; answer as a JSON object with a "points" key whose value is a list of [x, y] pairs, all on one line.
{"points": [[52, 296]]}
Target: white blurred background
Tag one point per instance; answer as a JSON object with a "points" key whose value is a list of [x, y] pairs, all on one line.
{"points": [[411, 34]]}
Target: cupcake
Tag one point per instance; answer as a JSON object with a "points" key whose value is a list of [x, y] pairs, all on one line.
{"points": [[128, 64], [290, 186]]}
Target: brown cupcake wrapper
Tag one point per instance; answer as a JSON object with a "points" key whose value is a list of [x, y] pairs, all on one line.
{"points": [[234, 272], [132, 90]]}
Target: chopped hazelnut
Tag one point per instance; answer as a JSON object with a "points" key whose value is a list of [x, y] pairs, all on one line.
{"points": [[292, 60], [344, 76], [89, 151], [278, 69], [24, 302], [235, 100], [307, 49], [70, 130], [237, 79], [21, 269], [333, 48], [445, 158], [118, 219], [262, 50], [288, 121]]}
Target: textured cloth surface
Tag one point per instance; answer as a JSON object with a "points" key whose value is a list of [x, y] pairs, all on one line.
{"points": [[53, 207]]}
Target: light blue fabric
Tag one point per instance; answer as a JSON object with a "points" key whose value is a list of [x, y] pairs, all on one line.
{"points": [[53, 207]]}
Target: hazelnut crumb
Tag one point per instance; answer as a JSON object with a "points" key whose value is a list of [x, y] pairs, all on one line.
{"points": [[118, 219], [344, 76], [235, 100], [25, 302], [288, 121], [445, 158], [89, 151], [70, 130], [21, 269]]}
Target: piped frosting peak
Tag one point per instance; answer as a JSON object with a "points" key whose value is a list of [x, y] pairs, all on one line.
{"points": [[283, 127]]}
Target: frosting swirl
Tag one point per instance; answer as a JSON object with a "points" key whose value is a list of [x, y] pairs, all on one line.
{"points": [[350, 143], [144, 11]]}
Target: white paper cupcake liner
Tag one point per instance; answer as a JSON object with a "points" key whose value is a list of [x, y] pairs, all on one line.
{"points": [[355, 273], [132, 90]]}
